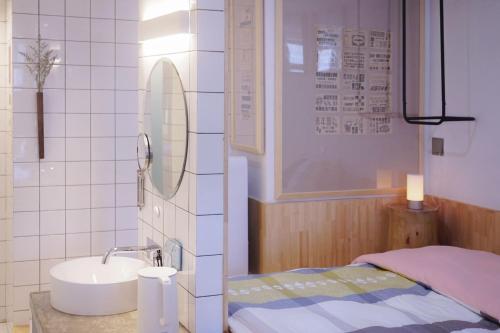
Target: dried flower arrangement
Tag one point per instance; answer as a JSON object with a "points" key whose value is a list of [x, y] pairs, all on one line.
{"points": [[39, 61]]}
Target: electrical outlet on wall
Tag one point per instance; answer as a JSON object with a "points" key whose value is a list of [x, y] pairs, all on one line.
{"points": [[438, 146]]}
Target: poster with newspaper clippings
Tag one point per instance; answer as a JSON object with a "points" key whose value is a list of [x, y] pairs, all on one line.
{"points": [[325, 125], [353, 79], [326, 103], [353, 103]]}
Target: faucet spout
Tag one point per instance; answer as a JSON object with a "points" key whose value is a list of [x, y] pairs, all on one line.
{"points": [[127, 249]]}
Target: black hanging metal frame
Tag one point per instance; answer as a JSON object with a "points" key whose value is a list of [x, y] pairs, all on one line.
{"points": [[429, 120]]}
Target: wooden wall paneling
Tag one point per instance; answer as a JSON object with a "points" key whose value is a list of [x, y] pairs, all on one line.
{"points": [[290, 235], [467, 226]]}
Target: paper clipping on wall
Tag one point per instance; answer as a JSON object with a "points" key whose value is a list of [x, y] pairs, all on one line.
{"points": [[353, 79], [327, 125]]}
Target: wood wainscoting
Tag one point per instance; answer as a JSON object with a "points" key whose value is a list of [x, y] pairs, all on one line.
{"points": [[290, 235], [467, 226]]}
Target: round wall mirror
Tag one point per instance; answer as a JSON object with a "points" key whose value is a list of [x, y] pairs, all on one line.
{"points": [[164, 144]]}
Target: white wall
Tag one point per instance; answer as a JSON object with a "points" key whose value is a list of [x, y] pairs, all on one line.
{"points": [[80, 200], [261, 167], [194, 215], [469, 170]]}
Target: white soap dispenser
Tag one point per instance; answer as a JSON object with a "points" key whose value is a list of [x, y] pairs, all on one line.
{"points": [[157, 300]]}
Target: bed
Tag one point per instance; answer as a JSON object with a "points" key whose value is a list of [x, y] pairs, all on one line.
{"points": [[457, 291]]}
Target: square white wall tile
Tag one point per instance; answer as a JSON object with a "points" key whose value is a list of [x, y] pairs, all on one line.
{"points": [[126, 125], [209, 30], [77, 125], [52, 222], [78, 29], [103, 219], [77, 173], [103, 172], [54, 149], [126, 31], [126, 218], [77, 149], [102, 241], [21, 297], [102, 30], [127, 9], [25, 6], [126, 195], [52, 247], [103, 196], [25, 248], [52, 197], [127, 102], [126, 171], [77, 53], [78, 221], [26, 174], [24, 26], [103, 149], [209, 314], [206, 112], [26, 273], [79, 8], [103, 54], [125, 148], [51, 27], [126, 237], [78, 197], [103, 125], [52, 173], [206, 234], [103, 77], [209, 194], [127, 55], [102, 8], [208, 278], [206, 152], [77, 101], [207, 70], [78, 77], [45, 266], [54, 125], [25, 224], [26, 199], [77, 245], [52, 7], [103, 101]]}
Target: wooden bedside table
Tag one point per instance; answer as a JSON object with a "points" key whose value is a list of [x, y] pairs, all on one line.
{"points": [[412, 228]]}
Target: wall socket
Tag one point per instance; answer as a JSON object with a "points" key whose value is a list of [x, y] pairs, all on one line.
{"points": [[438, 146]]}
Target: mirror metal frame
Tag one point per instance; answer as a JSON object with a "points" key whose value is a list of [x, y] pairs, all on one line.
{"points": [[186, 148]]}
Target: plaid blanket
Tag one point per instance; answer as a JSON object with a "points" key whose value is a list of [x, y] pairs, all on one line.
{"points": [[356, 298]]}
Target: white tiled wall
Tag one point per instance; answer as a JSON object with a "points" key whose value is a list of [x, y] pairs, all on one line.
{"points": [[194, 215], [5, 153], [80, 199]]}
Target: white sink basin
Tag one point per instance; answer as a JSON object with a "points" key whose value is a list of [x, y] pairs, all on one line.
{"points": [[87, 287]]}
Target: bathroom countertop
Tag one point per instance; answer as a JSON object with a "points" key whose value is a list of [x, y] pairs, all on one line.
{"points": [[46, 319]]}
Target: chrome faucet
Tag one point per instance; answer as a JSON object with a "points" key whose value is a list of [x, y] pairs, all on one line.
{"points": [[125, 249]]}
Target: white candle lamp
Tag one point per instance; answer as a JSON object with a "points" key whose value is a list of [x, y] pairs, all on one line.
{"points": [[415, 191]]}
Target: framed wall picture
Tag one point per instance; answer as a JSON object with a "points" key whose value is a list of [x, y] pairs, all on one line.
{"points": [[246, 87], [339, 126]]}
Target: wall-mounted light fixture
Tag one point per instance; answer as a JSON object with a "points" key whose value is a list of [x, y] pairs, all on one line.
{"points": [[415, 191], [165, 27]]}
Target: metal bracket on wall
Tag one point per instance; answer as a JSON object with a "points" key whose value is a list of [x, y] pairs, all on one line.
{"points": [[429, 120]]}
